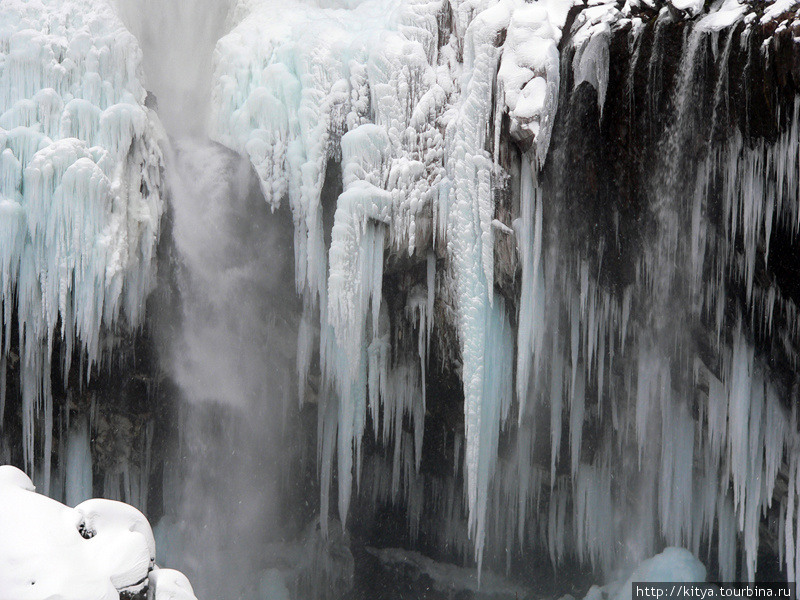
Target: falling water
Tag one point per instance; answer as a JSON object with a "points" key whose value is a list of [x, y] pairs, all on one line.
{"points": [[230, 342], [177, 40], [231, 358]]}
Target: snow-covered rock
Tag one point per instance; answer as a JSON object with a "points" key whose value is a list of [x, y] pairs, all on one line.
{"points": [[169, 584], [90, 552]]}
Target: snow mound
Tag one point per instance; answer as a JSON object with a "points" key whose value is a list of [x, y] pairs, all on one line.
{"points": [[93, 551], [168, 584], [13, 477], [120, 538]]}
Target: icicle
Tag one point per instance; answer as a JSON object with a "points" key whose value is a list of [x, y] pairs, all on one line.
{"points": [[48, 436], [590, 62], [378, 356], [482, 322], [356, 256], [751, 508], [556, 402], [430, 288], [774, 436], [326, 435], [675, 474], [3, 375], [738, 417], [782, 532], [726, 532], [644, 392], [577, 412], [144, 472], [717, 418], [795, 492], [305, 342]]}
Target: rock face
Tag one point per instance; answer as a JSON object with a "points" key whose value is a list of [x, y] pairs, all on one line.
{"points": [[548, 262]]}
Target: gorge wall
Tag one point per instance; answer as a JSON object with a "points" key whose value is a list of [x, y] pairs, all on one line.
{"points": [[545, 275]]}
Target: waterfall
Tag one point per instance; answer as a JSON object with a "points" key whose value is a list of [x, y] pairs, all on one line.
{"points": [[229, 333], [506, 284]]}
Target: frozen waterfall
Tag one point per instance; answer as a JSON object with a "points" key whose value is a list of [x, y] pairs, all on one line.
{"points": [[503, 292]]}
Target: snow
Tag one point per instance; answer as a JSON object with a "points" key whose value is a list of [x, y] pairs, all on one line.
{"points": [[11, 477], [776, 9], [49, 550], [93, 551], [529, 70], [122, 542], [169, 584], [692, 7], [723, 15]]}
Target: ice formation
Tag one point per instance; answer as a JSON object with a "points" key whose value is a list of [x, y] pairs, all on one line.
{"points": [[414, 126], [673, 565], [426, 150], [98, 549], [366, 91], [80, 195]]}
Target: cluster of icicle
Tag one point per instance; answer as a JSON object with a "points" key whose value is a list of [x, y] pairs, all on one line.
{"points": [[405, 113], [80, 194], [407, 98], [685, 453]]}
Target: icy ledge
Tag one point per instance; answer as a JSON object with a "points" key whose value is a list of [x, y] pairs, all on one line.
{"points": [[94, 551], [80, 192]]}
